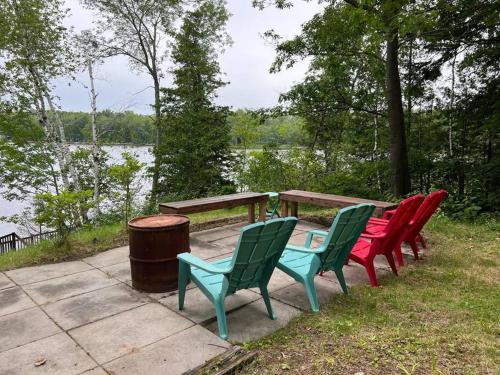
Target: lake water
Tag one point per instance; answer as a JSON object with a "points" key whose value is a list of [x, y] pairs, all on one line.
{"points": [[143, 153]]}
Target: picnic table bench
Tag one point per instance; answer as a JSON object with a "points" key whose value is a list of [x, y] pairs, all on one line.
{"points": [[291, 199], [224, 201]]}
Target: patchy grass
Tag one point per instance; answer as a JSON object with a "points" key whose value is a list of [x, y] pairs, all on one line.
{"points": [[441, 316]]}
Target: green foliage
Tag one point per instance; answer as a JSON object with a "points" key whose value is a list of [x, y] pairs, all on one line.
{"points": [[124, 185], [57, 210], [195, 144]]}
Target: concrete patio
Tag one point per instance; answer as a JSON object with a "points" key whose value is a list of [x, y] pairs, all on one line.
{"points": [[83, 317]]}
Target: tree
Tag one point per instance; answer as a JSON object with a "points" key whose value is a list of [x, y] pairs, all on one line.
{"points": [[366, 27], [138, 30], [124, 184], [195, 149], [34, 51]]}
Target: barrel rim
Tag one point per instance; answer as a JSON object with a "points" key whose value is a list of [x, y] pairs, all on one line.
{"points": [[156, 229]]}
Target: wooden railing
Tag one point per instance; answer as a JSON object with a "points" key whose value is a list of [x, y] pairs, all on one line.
{"points": [[13, 242]]}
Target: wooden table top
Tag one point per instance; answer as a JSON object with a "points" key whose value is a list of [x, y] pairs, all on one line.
{"points": [[238, 198], [327, 199]]}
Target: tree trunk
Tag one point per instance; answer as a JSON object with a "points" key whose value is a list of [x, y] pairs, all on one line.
{"points": [[400, 176], [95, 146], [156, 152]]}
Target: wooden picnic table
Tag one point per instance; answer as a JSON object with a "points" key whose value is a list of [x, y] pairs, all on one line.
{"points": [[224, 201], [293, 197]]}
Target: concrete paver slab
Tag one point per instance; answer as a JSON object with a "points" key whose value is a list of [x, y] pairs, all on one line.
{"points": [[35, 274], [62, 355], [128, 331], [173, 355], [236, 227], [56, 289], [108, 258], [206, 250], [14, 299], [354, 274], [300, 239], [228, 242], [279, 280], [5, 282], [95, 371], [120, 271], [305, 226], [23, 327], [213, 234], [296, 294], [89, 307], [251, 321], [199, 309]]}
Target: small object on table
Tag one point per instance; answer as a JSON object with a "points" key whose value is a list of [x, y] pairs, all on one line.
{"points": [[154, 243]]}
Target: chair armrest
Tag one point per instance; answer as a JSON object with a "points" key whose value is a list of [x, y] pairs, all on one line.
{"points": [[201, 264], [303, 249], [319, 232], [373, 236], [310, 235], [388, 214]]}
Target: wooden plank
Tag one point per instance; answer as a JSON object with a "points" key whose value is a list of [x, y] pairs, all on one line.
{"points": [[294, 209], [284, 208], [251, 213], [212, 203], [262, 211], [330, 200]]}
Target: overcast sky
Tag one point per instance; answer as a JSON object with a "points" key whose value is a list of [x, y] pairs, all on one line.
{"points": [[245, 64]]}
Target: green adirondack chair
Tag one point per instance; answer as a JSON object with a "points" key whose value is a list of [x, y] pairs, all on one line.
{"points": [[303, 263], [252, 264]]}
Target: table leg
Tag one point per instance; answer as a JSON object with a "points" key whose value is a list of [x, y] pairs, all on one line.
{"points": [[295, 209], [251, 213], [262, 211], [284, 208]]}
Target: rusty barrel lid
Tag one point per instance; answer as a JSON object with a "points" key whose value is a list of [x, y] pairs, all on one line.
{"points": [[158, 222]]}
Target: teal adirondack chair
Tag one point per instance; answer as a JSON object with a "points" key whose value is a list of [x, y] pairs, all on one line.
{"points": [[252, 264], [303, 263], [272, 210]]}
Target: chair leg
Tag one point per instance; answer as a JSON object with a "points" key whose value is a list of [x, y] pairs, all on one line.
{"points": [[422, 240], [311, 293], [183, 280], [399, 255], [340, 277], [392, 263], [370, 269], [414, 247], [221, 318], [265, 296]]}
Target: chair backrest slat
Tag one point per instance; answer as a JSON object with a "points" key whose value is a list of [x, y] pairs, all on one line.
{"points": [[398, 223], [343, 234], [425, 211], [258, 251]]}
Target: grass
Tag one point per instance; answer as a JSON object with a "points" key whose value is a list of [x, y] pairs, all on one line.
{"points": [[440, 316]]}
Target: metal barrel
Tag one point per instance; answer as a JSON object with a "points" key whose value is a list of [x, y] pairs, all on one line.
{"points": [[154, 244]]}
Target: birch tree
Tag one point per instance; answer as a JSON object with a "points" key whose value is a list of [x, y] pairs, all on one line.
{"points": [[35, 51], [138, 29], [90, 48]]}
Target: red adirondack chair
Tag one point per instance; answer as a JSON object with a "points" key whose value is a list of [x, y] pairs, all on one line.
{"points": [[386, 241], [413, 231]]}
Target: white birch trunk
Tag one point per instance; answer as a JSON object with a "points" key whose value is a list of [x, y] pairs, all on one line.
{"points": [[95, 146]]}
